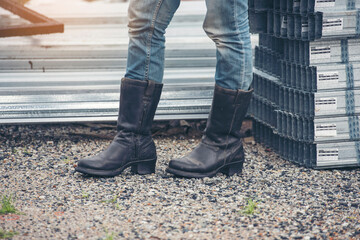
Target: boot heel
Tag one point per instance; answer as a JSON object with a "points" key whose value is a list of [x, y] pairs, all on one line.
{"points": [[144, 167], [232, 169]]}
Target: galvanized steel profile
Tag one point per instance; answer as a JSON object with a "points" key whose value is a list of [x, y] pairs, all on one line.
{"points": [[307, 84]]}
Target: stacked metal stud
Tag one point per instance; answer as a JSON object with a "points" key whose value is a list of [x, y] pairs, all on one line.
{"points": [[306, 103]]}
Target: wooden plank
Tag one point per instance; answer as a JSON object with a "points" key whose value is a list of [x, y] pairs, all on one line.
{"points": [[40, 24]]}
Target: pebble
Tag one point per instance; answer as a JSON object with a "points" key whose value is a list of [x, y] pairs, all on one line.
{"points": [[37, 168]]}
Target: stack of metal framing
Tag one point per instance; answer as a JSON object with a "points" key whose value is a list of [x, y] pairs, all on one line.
{"points": [[306, 103], [75, 76]]}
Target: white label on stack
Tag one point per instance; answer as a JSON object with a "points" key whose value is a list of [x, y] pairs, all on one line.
{"points": [[296, 3], [304, 27], [325, 104], [325, 130], [333, 24], [284, 22], [327, 79], [324, 3], [322, 52], [327, 155]]}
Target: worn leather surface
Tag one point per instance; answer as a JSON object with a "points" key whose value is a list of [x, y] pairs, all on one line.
{"points": [[138, 103], [221, 143], [133, 142]]}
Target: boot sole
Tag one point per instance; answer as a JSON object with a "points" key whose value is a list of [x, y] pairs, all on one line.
{"points": [[139, 167], [228, 169]]}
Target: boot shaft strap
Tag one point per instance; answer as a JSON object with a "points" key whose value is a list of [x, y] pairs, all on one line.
{"points": [[150, 88]]}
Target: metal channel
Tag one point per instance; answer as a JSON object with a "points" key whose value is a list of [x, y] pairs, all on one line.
{"points": [[75, 76], [306, 103], [314, 155], [305, 19]]}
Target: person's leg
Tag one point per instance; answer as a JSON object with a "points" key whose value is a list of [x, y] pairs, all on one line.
{"points": [[148, 20], [220, 149], [141, 88], [227, 24]]}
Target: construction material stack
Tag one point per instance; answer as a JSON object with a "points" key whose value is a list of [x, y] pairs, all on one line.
{"points": [[306, 103]]}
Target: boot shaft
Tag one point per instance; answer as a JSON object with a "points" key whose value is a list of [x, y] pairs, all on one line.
{"points": [[138, 103], [227, 113]]}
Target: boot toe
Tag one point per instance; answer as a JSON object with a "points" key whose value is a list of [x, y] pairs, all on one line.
{"points": [[90, 163], [186, 164]]}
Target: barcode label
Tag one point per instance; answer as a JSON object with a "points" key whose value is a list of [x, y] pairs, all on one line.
{"points": [[324, 3], [323, 52], [296, 4], [333, 24], [284, 22], [325, 104], [327, 79], [325, 155], [325, 130], [304, 27]]}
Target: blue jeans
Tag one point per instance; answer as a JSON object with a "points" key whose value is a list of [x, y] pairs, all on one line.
{"points": [[226, 23]]}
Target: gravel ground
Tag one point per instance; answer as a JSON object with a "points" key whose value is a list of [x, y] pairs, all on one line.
{"points": [[37, 167]]}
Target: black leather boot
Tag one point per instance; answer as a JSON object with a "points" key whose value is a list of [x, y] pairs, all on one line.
{"points": [[220, 149], [133, 145]]}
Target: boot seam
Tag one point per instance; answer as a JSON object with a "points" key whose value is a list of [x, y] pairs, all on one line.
{"points": [[239, 98], [231, 126], [135, 147], [146, 101]]}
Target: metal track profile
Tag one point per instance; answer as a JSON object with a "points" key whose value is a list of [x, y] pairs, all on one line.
{"points": [[331, 154], [305, 140], [319, 25], [320, 77], [303, 6], [263, 111], [305, 19], [314, 155], [311, 130], [308, 104], [303, 57], [324, 5], [40, 24], [94, 96], [300, 128]]}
